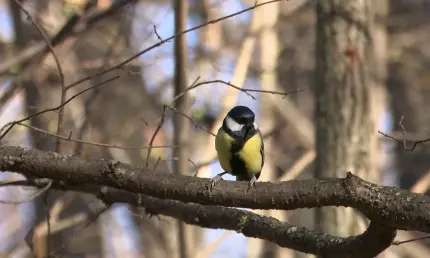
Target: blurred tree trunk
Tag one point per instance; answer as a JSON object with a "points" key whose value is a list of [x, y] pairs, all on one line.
{"points": [[125, 101], [207, 53], [43, 90], [296, 71], [40, 94], [379, 73], [379, 95], [408, 88], [346, 137], [181, 124], [268, 55], [409, 91], [14, 223]]}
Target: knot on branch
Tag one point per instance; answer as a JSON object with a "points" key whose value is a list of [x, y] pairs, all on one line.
{"points": [[349, 184]]}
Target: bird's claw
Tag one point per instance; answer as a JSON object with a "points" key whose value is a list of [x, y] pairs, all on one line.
{"points": [[214, 181], [251, 183]]}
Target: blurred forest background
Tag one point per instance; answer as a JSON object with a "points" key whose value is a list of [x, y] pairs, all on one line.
{"points": [[270, 48]]}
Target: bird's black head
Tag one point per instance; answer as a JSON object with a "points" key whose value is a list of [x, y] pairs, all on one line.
{"points": [[240, 122], [242, 115]]}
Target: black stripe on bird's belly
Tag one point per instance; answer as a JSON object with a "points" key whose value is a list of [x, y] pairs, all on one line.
{"points": [[238, 166], [236, 163]]}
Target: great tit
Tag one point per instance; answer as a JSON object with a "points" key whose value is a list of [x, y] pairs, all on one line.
{"points": [[239, 145]]}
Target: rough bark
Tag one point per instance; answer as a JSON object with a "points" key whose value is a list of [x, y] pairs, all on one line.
{"points": [[345, 131], [387, 207]]}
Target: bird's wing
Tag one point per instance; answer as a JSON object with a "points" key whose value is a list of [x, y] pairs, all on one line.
{"points": [[261, 149]]}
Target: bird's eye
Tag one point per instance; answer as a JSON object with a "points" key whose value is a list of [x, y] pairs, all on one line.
{"points": [[241, 120]]}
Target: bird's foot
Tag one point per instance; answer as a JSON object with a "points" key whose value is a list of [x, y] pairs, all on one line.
{"points": [[215, 180], [251, 183]]}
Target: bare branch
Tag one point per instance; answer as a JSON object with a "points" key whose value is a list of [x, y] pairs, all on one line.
{"points": [[156, 33], [119, 65], [113, 146], [368, 244], [60, 71], [191, 119], [374, 240], [32, 197], [64, 32], [410, 240], [195, 85], [7, 127], [283, 94], [404, 142], [244, 90], [153, 138], [392, 206]]}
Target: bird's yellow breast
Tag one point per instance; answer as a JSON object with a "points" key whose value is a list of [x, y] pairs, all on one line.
{"points": [[250, 153], [222, 145]]}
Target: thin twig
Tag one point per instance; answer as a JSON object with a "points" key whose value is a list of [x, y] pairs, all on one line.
{"points": [[32, 197], [401, 125], [119, 65], [69, 29], [94, 94], [194, 165], [13, 182], [419, 187], [153, 137], [283, 94], [404, 142], [218, 81], [60, 71], [192, 86], [410, 240], [191, 119], [173, 101], [156, 33], [10, 125], [112, 146], [246, 91]]}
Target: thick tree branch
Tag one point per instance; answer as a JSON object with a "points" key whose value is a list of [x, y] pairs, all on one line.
{"points": [[390, 206], [372, 242], [369, 244]]}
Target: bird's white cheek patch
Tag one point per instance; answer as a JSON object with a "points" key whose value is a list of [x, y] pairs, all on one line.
{"points": [[255, 126], [233, 125]]}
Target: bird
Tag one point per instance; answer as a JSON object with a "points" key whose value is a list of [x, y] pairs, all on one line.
{"points": [[239, 146]]}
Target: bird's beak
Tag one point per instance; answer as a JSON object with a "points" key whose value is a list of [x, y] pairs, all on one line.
{"points": [[247, 128]]}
